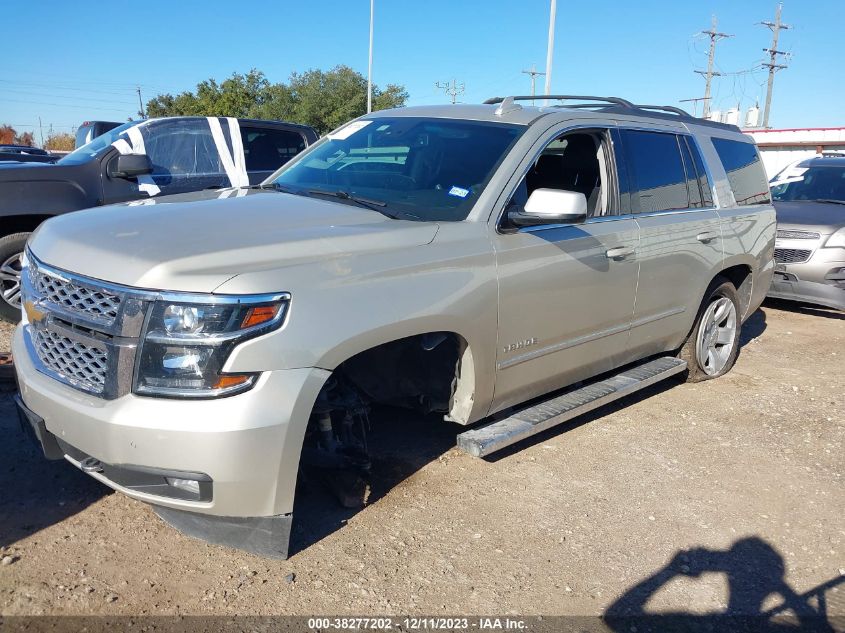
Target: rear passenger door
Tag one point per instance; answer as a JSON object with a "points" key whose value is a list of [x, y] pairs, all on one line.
{"points": [[671, 197], [267, 148]]}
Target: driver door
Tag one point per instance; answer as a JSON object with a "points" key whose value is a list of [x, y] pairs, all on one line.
{"points": [[566, 291]]}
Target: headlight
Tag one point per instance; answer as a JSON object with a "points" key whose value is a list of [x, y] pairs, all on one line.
{"points": [[186, 344], [837, 240]]}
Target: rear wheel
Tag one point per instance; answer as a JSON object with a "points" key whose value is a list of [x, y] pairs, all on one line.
{"points": [[713, 345], [11, 258]]}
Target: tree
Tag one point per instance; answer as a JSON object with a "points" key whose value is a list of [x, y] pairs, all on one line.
{"points": [[321, 99], [60, 141], [326, 100], [26, 138], [10, 136], [7, 135]]}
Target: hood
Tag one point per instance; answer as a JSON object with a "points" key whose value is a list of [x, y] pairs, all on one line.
{"points": [[803, 215], [195, 242]]}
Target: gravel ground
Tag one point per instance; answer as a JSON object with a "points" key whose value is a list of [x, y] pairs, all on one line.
{"points": [[692, 497]]}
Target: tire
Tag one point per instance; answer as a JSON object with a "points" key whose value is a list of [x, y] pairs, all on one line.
{"points": [[11, 251], [713, 345]]}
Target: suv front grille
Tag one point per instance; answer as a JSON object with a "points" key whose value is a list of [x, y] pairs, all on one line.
{"points": [[80, 365], [96, 304], [788, 234], [791, 255]]}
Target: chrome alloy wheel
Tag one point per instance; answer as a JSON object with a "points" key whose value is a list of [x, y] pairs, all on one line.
{"points": [[716, 336], [10, 280]]}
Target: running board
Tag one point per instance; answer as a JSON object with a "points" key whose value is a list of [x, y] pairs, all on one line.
{"points": [[539, 417]]}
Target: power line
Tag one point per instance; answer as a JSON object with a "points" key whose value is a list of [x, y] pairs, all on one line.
{"points": [[71, 97], [772, 64], [453, 90], [714, 36], [65, 105]]}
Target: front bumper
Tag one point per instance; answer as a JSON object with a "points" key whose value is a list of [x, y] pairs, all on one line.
{"points": [[248, 445], [820, 280]]}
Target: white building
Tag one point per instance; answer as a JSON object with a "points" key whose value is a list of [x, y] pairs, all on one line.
{"points": [[779, 148]]}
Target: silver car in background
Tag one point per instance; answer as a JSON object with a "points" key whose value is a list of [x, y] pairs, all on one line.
{"points": [[810, 249]]}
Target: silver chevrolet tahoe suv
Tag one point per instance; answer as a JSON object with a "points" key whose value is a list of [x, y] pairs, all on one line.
{"points": [[503, 263]]}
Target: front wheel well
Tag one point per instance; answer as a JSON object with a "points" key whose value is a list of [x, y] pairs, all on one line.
{"points": [[427, 372]]}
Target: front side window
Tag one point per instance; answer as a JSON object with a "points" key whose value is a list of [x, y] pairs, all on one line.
{"points": [[576, 161], [181, 147], [822, 183], [412, 167], [744, 170], [658, 181], [91, 149]]}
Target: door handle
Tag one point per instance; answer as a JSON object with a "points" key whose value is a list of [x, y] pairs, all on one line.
{"points": [[620, 252], [707, 236]]}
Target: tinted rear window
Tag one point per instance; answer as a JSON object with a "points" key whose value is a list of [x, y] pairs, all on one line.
{"points": [[656, 171], [745, 171]]}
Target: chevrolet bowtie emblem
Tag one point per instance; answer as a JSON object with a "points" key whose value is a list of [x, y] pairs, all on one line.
{"points": [[33, 314]]}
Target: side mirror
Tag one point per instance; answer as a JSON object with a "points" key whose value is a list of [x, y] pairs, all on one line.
{"points": [[130, 166], [551, 206]]}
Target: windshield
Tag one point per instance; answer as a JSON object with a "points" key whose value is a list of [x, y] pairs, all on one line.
{"points": [[89, 150], [822, 182], [415, 168]]}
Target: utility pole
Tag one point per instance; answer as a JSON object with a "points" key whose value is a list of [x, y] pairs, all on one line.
{"points": [[550, 47], [772, 64], [41, 131], [454, 89], [533, 72], [140, 103], [714, 36], [370, 64]]}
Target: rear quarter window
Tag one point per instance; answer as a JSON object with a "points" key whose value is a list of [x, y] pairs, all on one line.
{"points": [[744, 170], [267, 149]]}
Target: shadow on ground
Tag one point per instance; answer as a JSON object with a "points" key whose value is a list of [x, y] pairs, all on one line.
{"points": [[397, 456], [755, 572], [804, 308], [752, 328], [36, 493]]}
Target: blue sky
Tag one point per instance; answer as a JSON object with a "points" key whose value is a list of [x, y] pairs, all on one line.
{"points": [[84, 58]]}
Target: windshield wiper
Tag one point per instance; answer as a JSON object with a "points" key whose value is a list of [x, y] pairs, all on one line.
{"points": [[274, 186], [829, 200], [373, 205]]}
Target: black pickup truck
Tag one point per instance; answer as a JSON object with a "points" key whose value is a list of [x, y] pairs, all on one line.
{"points": [[135, 161], [26, 154]]}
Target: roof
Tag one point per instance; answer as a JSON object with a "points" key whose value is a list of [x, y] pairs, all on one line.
{"points": [[504, 110], [824, 161]]}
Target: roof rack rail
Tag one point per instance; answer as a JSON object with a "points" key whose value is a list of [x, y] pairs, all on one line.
{"points": [[614, 100], [615, 105], [672, 109]]}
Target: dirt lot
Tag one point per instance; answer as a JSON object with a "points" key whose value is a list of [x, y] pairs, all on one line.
{"points": [[689, 496]]}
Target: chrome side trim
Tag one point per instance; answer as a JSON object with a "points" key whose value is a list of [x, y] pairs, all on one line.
{"points": [[588, 338]]}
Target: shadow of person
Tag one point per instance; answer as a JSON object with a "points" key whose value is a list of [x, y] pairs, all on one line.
{"points": [[754, 570]]}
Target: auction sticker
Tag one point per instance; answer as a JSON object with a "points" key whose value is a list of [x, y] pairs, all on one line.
{"points": [[348, 130]]}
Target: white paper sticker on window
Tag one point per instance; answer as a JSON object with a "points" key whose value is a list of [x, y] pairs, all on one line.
{"points": [[348, 130]]}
